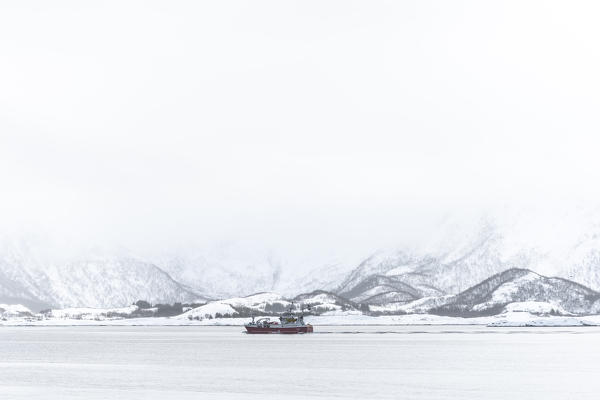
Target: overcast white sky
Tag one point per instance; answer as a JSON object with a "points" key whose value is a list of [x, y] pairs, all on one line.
{"points": [[301, 125]]}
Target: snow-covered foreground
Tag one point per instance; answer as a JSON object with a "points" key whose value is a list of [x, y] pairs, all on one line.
{"points": [[341, 362], [507, 319]]}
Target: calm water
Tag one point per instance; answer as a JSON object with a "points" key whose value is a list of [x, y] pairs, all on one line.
{"points": [[338, 362]]}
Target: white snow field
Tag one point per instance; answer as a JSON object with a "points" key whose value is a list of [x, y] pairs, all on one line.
{"points": [[344, 362], [518, 316], [13, 310]]}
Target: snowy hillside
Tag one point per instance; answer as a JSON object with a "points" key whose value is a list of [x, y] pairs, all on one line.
{"points": [[14, 310], [90, 313], [317, 302], [237, 269], [225, 270], [525, 288], [514, 290], [515, 295], [452, 258], [458, 257], [381, 289], [37, 282]]}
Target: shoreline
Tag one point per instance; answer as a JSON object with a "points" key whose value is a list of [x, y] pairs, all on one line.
{"points": [[513, 319]]}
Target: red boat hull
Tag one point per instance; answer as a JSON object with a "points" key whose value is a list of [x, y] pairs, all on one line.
{"points": [[294, 329]]}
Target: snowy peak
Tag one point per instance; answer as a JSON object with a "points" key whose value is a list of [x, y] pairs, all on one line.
{"points": [[316, 303], [454, 258], [224, 270], [28, 279], [109, 282], [521, 286], [381, 289]]}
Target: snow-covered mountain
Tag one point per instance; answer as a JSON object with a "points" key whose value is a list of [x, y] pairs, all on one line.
{"points": [[242, 268], [455, 256], [455, 259], [14, 310], [513, 290], [521, 286], [270, 303], [225, 270], [26, 277]]}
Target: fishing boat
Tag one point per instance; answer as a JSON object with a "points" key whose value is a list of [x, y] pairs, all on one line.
{"points": [[288, 323]]}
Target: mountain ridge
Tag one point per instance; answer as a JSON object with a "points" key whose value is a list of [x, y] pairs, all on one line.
{"points": [[454, 259]]}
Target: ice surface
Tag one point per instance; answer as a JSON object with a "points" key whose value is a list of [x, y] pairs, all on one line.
{"points": [[410, 362]]}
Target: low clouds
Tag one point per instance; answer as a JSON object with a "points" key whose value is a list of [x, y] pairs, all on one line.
{"points": [[299, 126]]}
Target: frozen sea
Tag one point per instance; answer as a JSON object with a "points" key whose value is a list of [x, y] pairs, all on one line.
{"points": [[367, 362]]}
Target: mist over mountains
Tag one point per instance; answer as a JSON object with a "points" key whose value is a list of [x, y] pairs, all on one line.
{"points": [[203, 154], [457, 256]]}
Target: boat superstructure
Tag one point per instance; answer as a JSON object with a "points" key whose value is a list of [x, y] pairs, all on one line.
{"points": [[288, 323]]}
